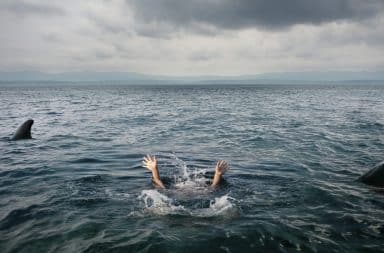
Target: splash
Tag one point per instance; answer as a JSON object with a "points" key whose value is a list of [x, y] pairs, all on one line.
{"points": [[183, 166], [221, 206], [189, 179], [189, 196], [159, 204], [195, 182]]}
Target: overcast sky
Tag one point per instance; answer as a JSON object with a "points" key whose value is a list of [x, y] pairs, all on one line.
{"points": [[192, 37]]}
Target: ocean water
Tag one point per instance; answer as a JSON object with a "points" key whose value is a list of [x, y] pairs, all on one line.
{"points": [[295, 153]]}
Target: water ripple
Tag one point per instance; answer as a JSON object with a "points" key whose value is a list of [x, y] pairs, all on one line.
{"points": [[295, 154]]}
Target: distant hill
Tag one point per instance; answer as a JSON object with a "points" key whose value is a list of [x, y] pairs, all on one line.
{"points": [[86, 76], [324, 76], [137, 78]]}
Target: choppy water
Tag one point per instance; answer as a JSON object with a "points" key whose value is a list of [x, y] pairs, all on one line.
{"points": [[295, 153]]}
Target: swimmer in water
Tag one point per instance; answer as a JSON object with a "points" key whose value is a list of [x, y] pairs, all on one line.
{"points": [[150, 163]]}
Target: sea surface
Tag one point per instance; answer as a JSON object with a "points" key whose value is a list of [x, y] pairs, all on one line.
{"points": [[295, 153]]}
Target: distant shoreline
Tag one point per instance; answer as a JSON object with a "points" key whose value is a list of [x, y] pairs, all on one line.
{"points": [[208, 83]]}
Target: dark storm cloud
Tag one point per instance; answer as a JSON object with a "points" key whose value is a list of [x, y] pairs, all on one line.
{"points": [[267, 14], [24, 8]]}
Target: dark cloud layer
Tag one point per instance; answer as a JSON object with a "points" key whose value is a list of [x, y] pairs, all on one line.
{"points": [[24, 8], [184, 37], [267, 14]]}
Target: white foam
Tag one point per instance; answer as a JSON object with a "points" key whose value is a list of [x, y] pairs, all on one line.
{"points": [[221, 206], [160, 204], [157, 203]]}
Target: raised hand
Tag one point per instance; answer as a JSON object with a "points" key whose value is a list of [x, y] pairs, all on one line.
{"points": [[150, 162], [221, 167]]}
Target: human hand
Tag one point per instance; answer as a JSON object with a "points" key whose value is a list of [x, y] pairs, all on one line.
{"points": [[150, 163], [221, 167]]}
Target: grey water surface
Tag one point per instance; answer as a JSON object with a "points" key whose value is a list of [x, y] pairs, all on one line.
{"points": [[295, 154]]}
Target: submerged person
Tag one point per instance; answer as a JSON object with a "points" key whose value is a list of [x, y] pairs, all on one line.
{"points": [[150, 163]]}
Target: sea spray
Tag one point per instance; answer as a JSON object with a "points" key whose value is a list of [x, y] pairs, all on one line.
{"points": [[183, 166], [189, 178]]}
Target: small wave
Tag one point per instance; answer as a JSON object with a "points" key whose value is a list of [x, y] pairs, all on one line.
{"points": [[27, 172], [100, 139], [58, 137], [371, 125], [55, 113], [88, 160], [91, 179], [6, 139], [21, 215], [87, 202]]}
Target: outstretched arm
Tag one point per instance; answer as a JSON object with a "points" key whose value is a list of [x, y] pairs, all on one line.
{"points": [[221, 168], [151, 164]]}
